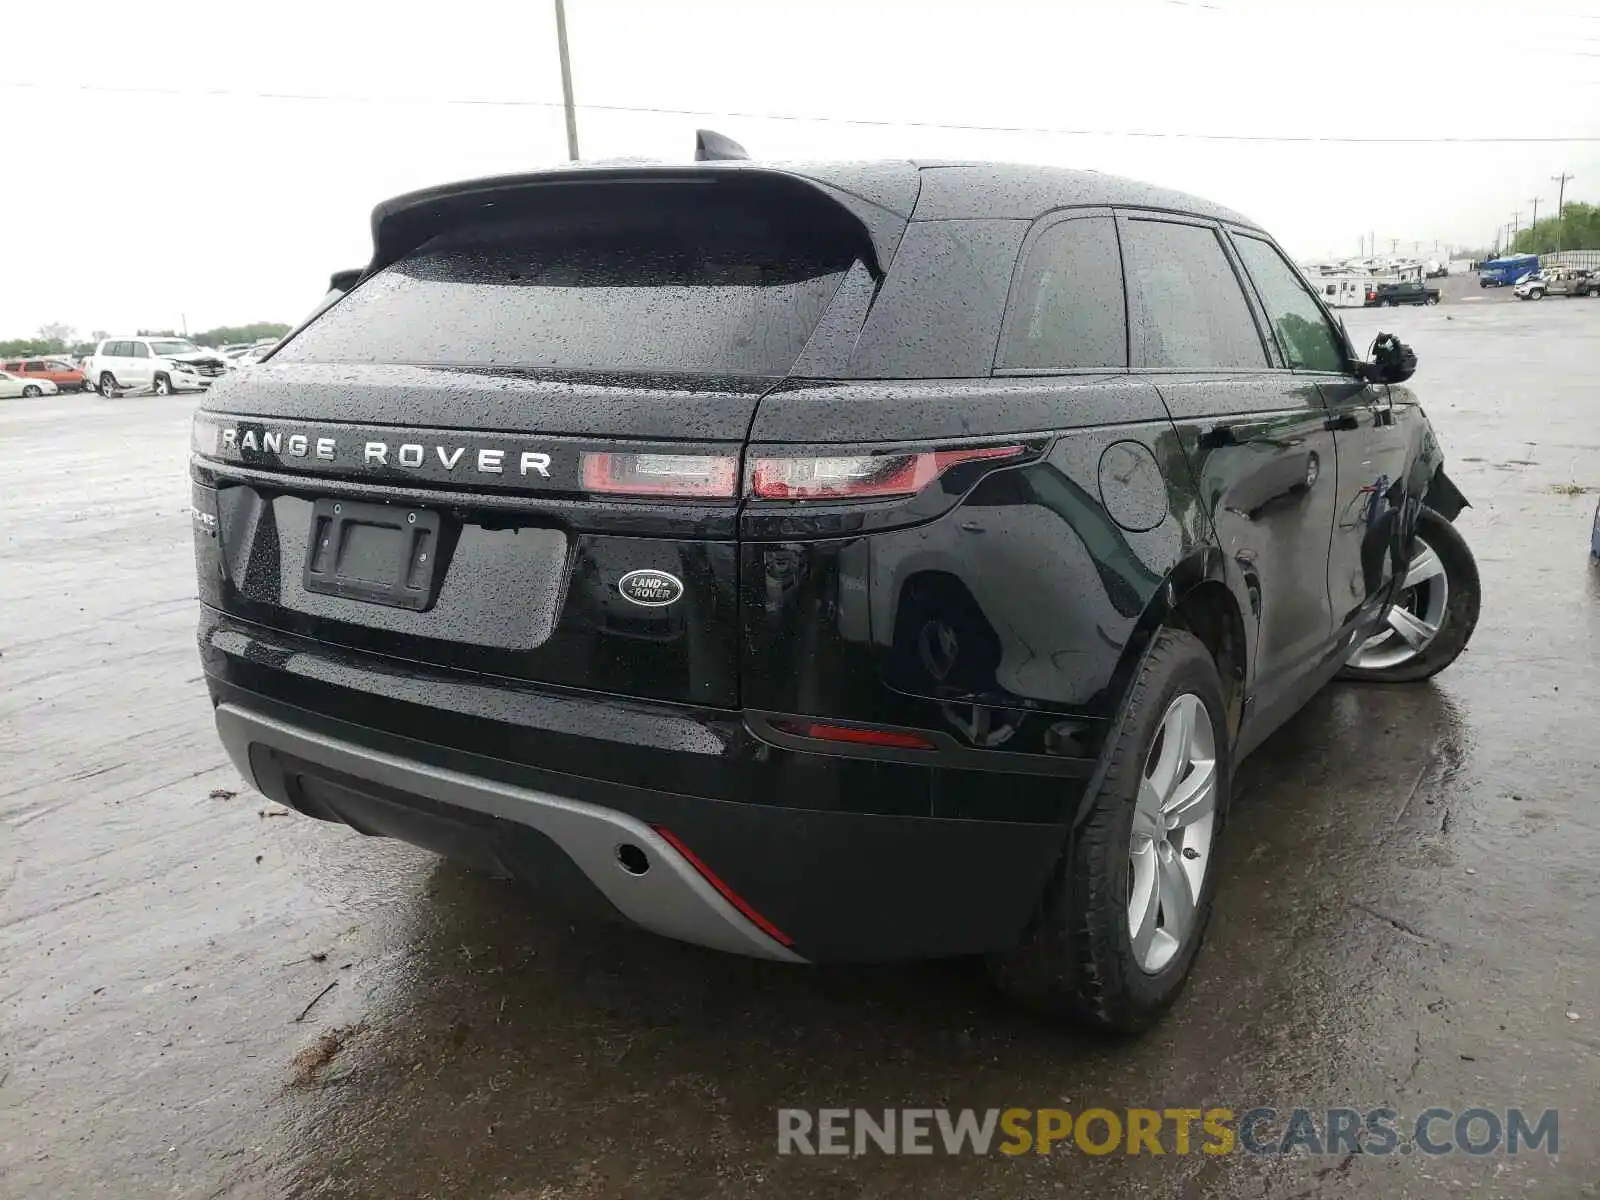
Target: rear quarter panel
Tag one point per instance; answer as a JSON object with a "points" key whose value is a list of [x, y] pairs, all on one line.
{"points": [[1009, 618]]}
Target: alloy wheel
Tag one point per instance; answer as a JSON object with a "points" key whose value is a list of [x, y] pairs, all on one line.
{"points": [[162, 386], [1416, 616], [1174, 819]]}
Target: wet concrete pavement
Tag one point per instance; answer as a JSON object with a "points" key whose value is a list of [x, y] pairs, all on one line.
{"points": [[1408, 915]]}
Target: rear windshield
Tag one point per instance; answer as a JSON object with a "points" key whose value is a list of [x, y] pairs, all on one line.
{"points": [[710, 290]]}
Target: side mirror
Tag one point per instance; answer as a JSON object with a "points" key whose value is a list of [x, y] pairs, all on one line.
{"points": [[1391, 361]]}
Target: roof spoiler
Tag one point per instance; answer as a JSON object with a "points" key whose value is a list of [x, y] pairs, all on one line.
{"points": [[343, 281], [711, 146], [402, 224]]}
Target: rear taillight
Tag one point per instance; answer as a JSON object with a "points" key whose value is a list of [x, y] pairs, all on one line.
{"points": [[859, 476], [679, 476]]}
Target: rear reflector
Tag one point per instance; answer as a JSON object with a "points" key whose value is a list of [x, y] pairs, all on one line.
{"points": [[728, 894], [682, 476], [826, 732], [861, 476]]}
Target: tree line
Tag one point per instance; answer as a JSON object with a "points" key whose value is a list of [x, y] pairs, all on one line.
{"points": [[1577, 229], [61, 339]]}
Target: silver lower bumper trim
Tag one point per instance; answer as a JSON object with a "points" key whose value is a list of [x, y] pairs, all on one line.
{"points": [[670, 897]]}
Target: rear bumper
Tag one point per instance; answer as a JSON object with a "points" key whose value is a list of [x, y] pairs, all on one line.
{"points": [[385, 794], [549, 791]]}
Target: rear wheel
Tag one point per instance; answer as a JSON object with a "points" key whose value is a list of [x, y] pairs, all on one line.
{"points": [[108, 385], [32, 390], [1113, 942], [1432, 620]]}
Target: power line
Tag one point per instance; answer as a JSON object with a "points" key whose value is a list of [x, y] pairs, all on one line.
{"points": [[869, 122]]}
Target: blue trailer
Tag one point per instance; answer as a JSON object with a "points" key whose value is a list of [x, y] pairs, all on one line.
{"points": [[1503, 272]]}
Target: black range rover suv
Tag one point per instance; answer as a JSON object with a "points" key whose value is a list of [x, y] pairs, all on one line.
{"points": [[850, 562]]}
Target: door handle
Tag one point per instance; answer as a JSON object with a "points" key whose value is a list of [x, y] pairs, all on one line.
{"points": [[1344, 421]]}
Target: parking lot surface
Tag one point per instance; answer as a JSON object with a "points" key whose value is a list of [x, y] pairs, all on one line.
{"points": [[201, 996]]}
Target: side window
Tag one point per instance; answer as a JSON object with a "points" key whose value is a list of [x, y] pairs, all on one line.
{"points": [[1067, 309], [12, 366], [117, 350], [937, 315], [1186, 308], [33, 366], [140, 350], [1307, 340]]}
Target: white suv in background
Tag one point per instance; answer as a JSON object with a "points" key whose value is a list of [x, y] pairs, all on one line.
{"points": [[155, 364]]}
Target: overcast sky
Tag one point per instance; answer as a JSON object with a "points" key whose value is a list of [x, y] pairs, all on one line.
{"points": [[150, 182]]}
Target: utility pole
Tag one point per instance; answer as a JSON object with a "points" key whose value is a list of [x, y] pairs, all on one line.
{"points": [[566, 81], [1560, 181], [1394, 245], [1516, 228], [1535, 222]]}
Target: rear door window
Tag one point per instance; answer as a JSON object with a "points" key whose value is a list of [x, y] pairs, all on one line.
{"points": [[1305, 337], [1067, 307], [706, 291], [1186, 309]]}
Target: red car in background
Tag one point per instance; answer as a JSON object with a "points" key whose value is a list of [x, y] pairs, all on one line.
{"points": [[65, 377]]}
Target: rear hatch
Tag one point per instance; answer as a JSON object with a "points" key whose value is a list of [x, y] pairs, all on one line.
{"points": [[516, 446]]}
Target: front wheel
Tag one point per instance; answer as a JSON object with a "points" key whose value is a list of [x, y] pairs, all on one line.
{"points": [[108, 385], [1536, 295], [163, 386], [1113, 941], [1432, 619], [1431, 300]]}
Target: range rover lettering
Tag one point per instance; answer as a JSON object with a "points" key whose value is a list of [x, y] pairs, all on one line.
{"points": [[845, 562]]}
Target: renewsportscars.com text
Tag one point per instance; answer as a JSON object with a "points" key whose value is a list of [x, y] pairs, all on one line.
{"points": [[1260, 1130]]}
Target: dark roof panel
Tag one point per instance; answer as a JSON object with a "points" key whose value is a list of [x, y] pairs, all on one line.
{"points": [[953, 191]]}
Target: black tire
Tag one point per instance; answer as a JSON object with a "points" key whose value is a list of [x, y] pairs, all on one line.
{"points": [[32, 391], [161, 385], [108, 385], [1431, 300], [1460, 612], [1077, 960], [1388, 303]]}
